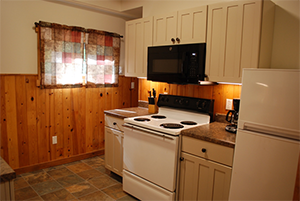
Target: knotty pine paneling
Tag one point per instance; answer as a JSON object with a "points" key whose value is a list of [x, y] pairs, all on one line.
{"points": [[31, 116], [219, 92]]}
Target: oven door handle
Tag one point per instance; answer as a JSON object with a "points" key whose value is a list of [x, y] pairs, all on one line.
{"points": [[147, 131]]}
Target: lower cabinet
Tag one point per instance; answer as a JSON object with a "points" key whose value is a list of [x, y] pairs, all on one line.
{"points": [[114, 147], [7, 191], [202, 179], [205, 170]]}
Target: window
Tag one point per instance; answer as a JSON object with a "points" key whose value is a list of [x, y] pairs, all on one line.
{"points": [[73, 56]]}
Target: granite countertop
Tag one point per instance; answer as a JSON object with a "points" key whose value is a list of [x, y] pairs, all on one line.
{"points": [[213, 132], [128, 112], [6, 172]]}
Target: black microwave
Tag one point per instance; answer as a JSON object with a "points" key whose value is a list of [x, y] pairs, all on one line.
{"points": [[179, 64]]}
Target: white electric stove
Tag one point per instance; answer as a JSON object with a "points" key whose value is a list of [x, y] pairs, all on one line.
{"points": [[151, 146]]}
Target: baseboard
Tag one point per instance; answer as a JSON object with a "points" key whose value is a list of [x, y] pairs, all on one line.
{"points": [[48, 164]]}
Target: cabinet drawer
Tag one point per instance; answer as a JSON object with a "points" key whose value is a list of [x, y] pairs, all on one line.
{"points": [[208, 150], [114, 122]]}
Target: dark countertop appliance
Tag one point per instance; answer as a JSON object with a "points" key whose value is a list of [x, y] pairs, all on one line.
{"points": [[233, 116]]}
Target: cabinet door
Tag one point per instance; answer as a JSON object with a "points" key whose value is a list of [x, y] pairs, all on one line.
{"points": [[165, 27], [113, 150], [202, 179], [232, 39], [138, 39], [192, 25]]}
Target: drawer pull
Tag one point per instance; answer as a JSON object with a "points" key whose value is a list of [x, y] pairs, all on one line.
{"points": [[115, 123], [203, 150]]}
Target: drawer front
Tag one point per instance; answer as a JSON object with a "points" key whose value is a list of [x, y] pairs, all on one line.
{"points": [[114, 122], [208, 150]]}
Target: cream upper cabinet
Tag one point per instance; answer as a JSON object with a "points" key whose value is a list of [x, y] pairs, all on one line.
{"points": [[138, 39], [239, 35], [164, 31], [182, 27], [192, 25]]}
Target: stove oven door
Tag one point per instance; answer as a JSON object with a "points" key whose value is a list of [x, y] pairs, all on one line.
{"points": [[150, 164]]}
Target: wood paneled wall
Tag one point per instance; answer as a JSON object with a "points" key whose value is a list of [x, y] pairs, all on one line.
{"points": [[219, 92], [31, 116]]}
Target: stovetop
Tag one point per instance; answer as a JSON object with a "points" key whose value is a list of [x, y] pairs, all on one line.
{"points": [[177, 113]]}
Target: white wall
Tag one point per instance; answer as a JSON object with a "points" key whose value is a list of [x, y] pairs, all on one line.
{"points": [[19, 43], [18, 37], [286, 43]]}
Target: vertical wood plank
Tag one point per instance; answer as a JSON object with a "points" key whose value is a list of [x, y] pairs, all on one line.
{"points": [[218, 97], [173, 89], [101, 103], [51, 96], [206, 92], [108, 98], [89, 120], [79, 120], [3, 122], [11, 118], [30, 82], [95, 116], [134, 92], [189, 90], [115, 97], [58, 123], [22, 125], [144, 87], [43, 115], [237, 91], [67, 122], [121, 92], [126, 92]]}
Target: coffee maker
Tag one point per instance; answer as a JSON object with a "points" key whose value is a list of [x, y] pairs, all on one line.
{"points": [[232, 117]]}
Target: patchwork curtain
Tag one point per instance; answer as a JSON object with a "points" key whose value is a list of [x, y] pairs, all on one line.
{"points": [[103, 55], [73, 56]]}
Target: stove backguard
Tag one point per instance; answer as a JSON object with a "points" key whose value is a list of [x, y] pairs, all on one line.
{"points": [[205, 106]]}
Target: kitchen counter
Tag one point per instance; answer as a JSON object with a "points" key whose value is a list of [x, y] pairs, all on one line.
{"points": [[128, 112], [6, 172], [213, 132]]}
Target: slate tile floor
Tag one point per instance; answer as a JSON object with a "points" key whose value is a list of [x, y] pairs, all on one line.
{"points": [[81, 180]]}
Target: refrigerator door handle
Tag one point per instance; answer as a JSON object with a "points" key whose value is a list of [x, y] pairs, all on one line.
{"points": [[271, 130]]}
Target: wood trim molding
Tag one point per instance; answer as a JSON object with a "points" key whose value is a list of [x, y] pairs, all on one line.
{"points": [[40, 166]]}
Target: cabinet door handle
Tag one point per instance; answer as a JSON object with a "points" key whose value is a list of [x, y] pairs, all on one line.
{"points": [[173, 40], [181, 158], [178, 40], [203, 150], [115, 123]]}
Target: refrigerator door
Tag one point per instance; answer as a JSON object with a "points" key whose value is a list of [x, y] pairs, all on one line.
{"points": [[264, 167], [270, 102]]}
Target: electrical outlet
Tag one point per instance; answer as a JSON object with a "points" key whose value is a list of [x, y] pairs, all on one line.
{"points": [[228, 104], [54, 139], [132, 85]]}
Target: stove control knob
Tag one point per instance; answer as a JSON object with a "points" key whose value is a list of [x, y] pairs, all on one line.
{"points": [[167, 99], [186, 102], [180, 101], [201, 105]]}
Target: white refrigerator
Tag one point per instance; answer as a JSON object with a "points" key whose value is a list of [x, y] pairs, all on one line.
{"points": [[266, 157]]}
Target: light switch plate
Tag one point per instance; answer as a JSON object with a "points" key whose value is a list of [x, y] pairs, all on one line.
{"points": [[228, 104], [54, 139], [132, 85]]}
